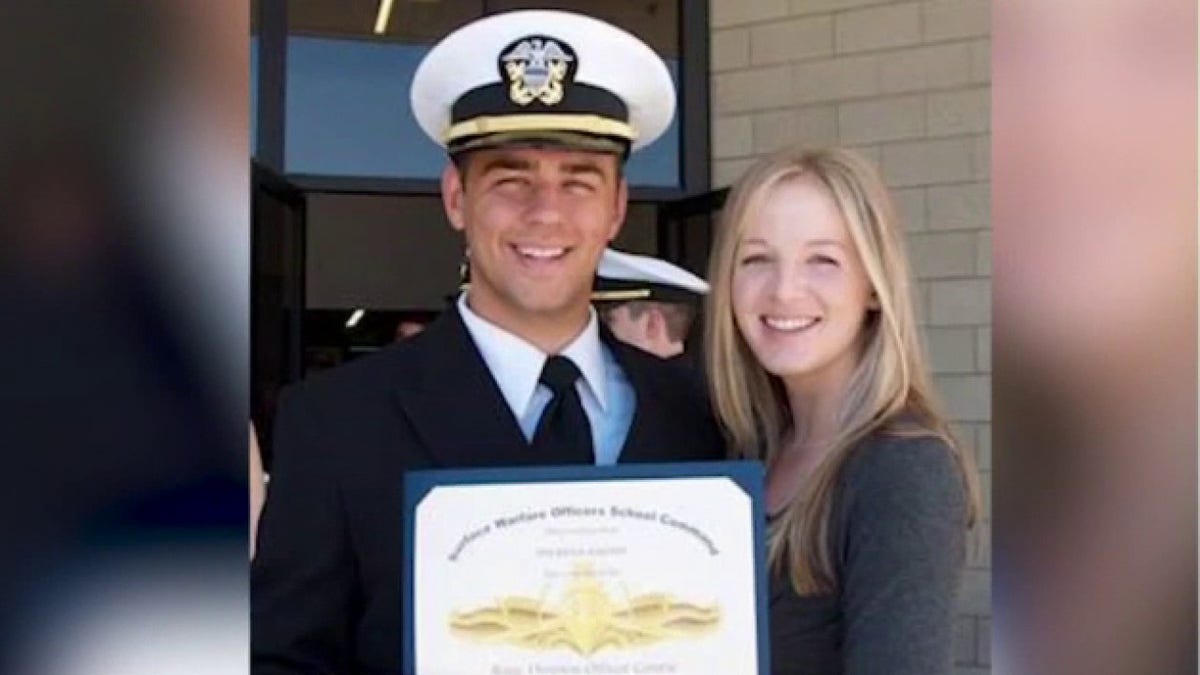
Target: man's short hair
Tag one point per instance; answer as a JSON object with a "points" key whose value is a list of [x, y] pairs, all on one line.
{"points": [[678, 316]]}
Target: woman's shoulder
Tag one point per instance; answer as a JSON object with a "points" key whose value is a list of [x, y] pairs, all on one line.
{"points": [[903, 466]]}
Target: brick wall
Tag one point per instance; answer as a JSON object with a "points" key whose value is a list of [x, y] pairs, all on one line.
{"points": [[907, 83]]}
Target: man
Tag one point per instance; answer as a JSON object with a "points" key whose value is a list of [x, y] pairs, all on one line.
{"points": [[537, 110], [647, 302]]}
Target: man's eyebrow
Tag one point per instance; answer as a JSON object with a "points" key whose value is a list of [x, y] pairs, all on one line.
{"points": [[506, 164], [584, 167]]}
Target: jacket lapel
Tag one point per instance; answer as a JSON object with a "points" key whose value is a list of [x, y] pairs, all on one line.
{"points": [[453, 403], [649, 438], [460, 417]]}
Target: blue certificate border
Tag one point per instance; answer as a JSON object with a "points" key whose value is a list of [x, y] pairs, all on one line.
{"points": [[746, 474]]}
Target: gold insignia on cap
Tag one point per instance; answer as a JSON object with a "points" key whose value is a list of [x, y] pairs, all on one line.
{"points": [[536, 69]]}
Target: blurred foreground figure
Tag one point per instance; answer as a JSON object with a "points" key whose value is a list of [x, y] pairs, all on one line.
{"points": [[1094, 124]]}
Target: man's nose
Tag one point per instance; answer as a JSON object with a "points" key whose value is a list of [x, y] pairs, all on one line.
{"points": [[545, 205]]}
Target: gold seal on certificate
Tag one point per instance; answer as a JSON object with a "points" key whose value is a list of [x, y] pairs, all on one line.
{"points": [[653, 574]]}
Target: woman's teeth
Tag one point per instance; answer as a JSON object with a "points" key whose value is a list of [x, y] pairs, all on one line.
{"points": [[789, 324]]}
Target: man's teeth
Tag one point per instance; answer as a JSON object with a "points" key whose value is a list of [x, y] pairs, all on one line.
{"points": [[789, 324], [537, 252]]}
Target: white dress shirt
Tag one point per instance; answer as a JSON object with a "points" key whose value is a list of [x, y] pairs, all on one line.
{"points": [[516, 365]]}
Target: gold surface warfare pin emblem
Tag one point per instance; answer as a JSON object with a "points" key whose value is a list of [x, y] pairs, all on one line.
{"points": [[586, 619]]}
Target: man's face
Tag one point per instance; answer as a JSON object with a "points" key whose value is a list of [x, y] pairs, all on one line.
{"points": [[536, 222]]}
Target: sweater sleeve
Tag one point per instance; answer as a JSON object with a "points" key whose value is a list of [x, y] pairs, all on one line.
{"points": [[903, 522]]}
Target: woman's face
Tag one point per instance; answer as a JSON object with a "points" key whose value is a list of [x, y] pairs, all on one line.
{"points": [[800, 292]]}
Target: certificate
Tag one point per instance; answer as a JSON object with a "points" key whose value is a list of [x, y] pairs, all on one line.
{"points": [[650, 568]]}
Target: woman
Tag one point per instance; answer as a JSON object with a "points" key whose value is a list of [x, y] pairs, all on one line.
{"points": [[816, 368]]}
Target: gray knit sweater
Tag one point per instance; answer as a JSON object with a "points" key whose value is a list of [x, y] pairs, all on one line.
{"points": [[898, 529]]}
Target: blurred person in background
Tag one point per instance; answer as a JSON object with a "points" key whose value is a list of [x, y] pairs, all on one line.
{"points": [[647, 302], [258, 487], [406, 328], [816, 368]]}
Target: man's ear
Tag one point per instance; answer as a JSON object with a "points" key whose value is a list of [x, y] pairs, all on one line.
{"points": [[452, 196], [621, 207], [656, 323]]}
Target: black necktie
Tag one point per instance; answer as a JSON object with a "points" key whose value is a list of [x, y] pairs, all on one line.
{"points": [[563, 431]]}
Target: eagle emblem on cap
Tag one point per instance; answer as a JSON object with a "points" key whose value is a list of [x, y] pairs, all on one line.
{"points": [[536, 69]]}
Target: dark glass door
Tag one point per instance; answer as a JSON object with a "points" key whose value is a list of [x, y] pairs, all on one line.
{"points": [[277, 295]]}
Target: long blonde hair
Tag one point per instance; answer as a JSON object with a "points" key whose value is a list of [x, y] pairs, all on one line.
{"points": [[890, 390]]}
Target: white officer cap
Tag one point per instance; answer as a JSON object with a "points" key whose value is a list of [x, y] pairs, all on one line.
{"points": [[626, 276], [542, 76]]}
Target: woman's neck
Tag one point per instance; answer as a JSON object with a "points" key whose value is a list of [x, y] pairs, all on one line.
{"points": [[815, 410]]}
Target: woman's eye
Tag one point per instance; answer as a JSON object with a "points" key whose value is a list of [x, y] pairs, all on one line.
{"points": [[753, 259], [824, 260]]}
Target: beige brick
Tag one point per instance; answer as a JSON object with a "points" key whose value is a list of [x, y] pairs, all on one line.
{"points": [[793, 40], [985, 488], [960, 207], [747, 90], [871, 153], [959, 112], [964, 639], [981, 167], [817, 125], [962, 302], [981, 61], [910, 208], [774, 130], [880, 27], [983, 251], [979, 546], [836, 79], [810, 126], [800, 7], [925, 68], [730, 48], [887, 119], [952, 19], [732, 137], [951, 350], [976, 594], [968, 398], [912, 163], [724, 13], [937, 255], [983, 647], [922, 300], [983, 442], [983, 350], [725, 172]]}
